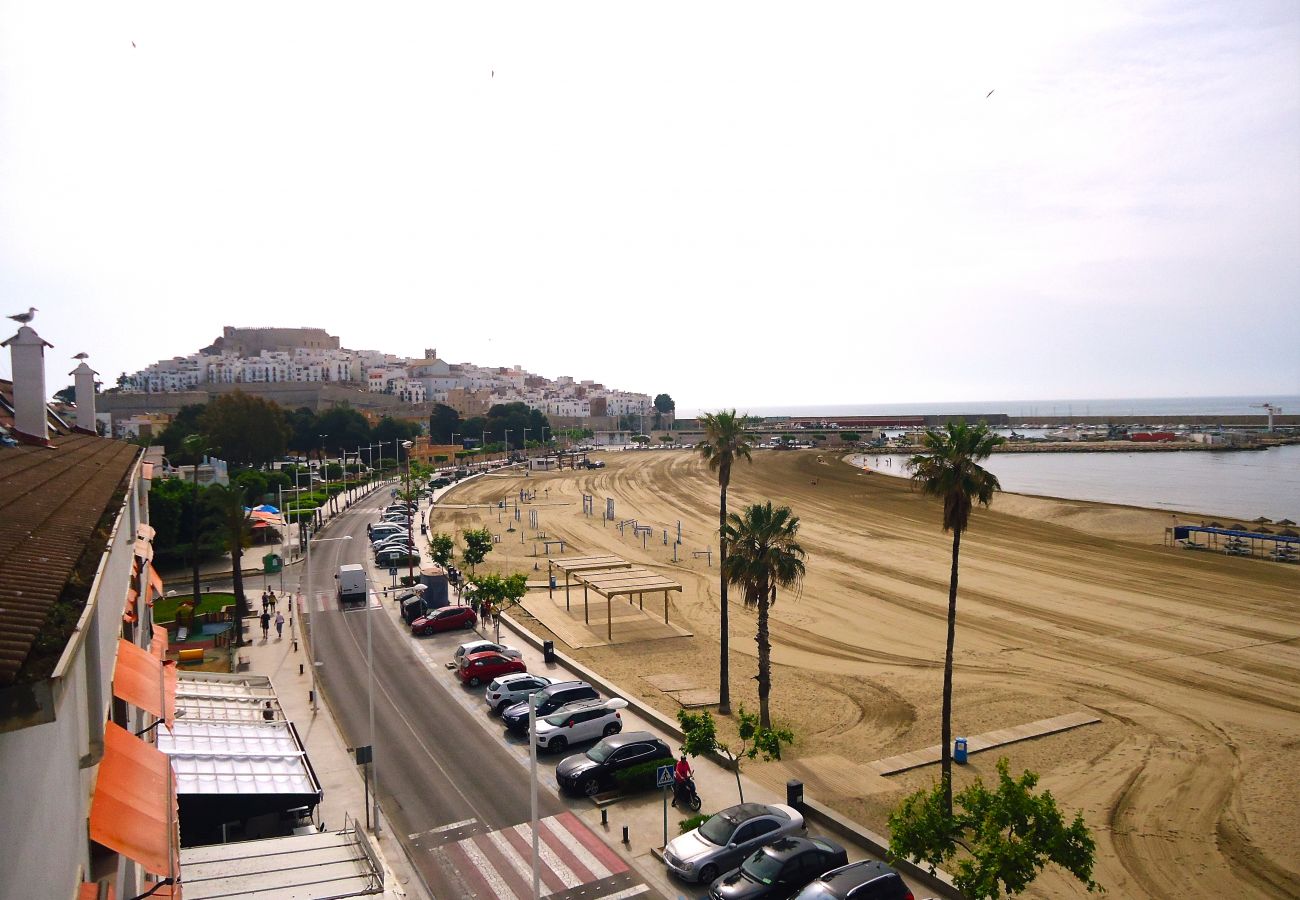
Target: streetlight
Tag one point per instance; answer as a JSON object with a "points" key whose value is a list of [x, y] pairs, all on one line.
{"points": [[454, 461], [508, 430], [410, 525], [314, 691], [483, 446], [370, 691], [526, 430], [612, 703]]}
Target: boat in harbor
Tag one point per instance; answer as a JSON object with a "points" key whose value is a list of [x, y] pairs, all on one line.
{"points": [[1076, 433]]}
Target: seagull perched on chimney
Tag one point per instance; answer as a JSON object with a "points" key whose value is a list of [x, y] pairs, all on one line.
{"points": [[24, 318], [82, 356]]}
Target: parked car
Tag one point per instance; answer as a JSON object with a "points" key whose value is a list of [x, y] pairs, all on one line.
{"points": [[867, 880], [727, 838], [396, 557], [547, 701], [779, 870], [475, 668], [595, 464], [469, 647], [396, 542], [588, 773], [511, 689], [448, 618], [574, 723], [378, 533]]}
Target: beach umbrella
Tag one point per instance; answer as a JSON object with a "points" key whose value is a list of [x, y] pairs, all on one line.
{"points": [[1214, 525], [1239, 527], [1263, 520], [1263, 530], [1289, 532], [1284, 522], [268, 508]]}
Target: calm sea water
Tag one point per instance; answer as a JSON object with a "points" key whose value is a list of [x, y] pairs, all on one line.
{"points": [[1126, 410], [1240, 483]]}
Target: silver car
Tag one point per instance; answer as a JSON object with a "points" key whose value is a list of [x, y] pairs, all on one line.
{"points": [[727, 838]]}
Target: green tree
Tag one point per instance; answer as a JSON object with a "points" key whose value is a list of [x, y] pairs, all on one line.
{"points": [[441, 547], [196, 448], [478, 544], [389, 430], [948, 468], [664, 403], [67, 395], [304, 430], [443, 423], [1009, 835], [345, 427], [237, 532], [702, 737], [246, 429], [763, 554], [182, 425], [724, 443], [254, 485], [851, 437]]}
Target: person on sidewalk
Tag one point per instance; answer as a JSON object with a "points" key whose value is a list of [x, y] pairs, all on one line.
{"points": [[266, 625], [271, 597], [682, 775], [279, 626]]}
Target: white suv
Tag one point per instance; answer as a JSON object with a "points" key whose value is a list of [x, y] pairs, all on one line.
{"points": [[514, 688], [585, 720]]}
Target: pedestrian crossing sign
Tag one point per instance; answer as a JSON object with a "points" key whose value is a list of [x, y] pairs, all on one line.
{"points": [[664, 776]]}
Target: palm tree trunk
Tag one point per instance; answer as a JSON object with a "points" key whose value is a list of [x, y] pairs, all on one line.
{"points": [[945, 758], [724, 690], [194, 537], [764, 656], [241, 606]]}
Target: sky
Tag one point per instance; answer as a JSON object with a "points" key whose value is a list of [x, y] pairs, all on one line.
{"points": [[734, 203]]}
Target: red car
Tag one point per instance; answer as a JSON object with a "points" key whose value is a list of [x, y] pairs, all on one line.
{"points": [[445, 619], [476, 668]]}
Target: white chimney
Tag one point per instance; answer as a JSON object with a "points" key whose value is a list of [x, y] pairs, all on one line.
{"points": [[84, 380], [27, 349]]}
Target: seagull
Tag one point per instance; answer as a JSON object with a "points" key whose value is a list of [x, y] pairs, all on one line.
{"points": [[133, 43], [24, 318], [82, 356], [989, 94]]}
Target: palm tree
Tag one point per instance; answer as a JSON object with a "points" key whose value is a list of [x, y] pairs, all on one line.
{"points": [[197, 445], [949, 468], [764, 555], [235, 521], [724, 442]]}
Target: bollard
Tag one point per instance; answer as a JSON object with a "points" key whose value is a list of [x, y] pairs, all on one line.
{"points": [[300, 671], [604, 817], [626, 839], [295, 648]]}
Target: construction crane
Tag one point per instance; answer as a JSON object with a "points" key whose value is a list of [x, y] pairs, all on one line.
{"points": [[1271, 411]]}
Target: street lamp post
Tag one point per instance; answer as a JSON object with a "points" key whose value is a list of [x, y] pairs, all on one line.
{"points": [[370, 691], [410, 524], [507, 436], [314, 689], [483, 446], [612, 703]]}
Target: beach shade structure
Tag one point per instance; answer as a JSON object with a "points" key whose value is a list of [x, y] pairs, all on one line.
{"points": [[268, 508], [1263, 520], [1263, 529], [1288, 532], [1286, 522], [1238, 527], [1215, 525], [575, 565]]}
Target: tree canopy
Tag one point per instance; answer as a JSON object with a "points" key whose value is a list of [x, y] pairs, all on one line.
{"points": [[443, 423], [1008, 835], [514, 417], [664, 403], [244, 429]]}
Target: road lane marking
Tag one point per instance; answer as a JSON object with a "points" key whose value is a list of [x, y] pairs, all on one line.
{"points": [[628, 892], [452, 826], [486, 869], [575, 846], [549, 857]]}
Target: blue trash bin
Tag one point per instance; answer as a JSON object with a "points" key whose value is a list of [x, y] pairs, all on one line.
{"points": [[959, 751]]}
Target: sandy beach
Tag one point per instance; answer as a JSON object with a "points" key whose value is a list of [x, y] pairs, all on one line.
{"points": [[1190, 660]]}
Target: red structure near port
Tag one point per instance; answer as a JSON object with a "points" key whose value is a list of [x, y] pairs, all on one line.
{"points": [[1151, 436]]}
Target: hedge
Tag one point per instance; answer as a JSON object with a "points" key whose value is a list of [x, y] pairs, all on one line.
{"points": [[640, 777]]}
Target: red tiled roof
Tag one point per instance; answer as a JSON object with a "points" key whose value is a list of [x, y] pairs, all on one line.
{"points": [[51, 499]]}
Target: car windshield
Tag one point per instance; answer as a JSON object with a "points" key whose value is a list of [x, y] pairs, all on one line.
{"points": [[718, 830], [600, 752], [818, 890], [557, 720], [761, 867]]}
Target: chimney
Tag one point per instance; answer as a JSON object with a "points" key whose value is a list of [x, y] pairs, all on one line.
{"points": [[28, 354], [84, 379]]}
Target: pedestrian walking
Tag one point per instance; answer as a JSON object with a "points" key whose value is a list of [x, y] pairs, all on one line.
{"points": [[271, 597], [279, 626], [266, 624]]}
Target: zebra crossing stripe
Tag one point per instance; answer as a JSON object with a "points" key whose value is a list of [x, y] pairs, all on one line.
{"points": [[484, 868], [628, 892], [507, 864], [549, 857], [459, 866], [612, 862], [523, 850], [576, 855]]}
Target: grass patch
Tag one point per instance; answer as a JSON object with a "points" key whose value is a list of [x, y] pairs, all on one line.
{"points": [[164, 609]]}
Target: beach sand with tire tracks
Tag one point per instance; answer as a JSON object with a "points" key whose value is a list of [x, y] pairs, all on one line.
{"points": [[1191, 661]]}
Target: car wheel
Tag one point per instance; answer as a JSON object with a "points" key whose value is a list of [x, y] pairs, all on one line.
{"points": [[474, 682], [708, 873], [558, 744], [501, 707], [612, 728], [591, 787], [469, 623], [426, 630]]}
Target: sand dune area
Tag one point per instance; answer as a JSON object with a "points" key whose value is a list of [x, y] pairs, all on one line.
{"points": [[1190, 660]]}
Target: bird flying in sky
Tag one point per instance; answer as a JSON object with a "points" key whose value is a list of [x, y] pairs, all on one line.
{"points": [[989, 94], [24, 318], [82, 356]]}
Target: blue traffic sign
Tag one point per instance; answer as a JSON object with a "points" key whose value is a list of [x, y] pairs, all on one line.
{"points": [[664, 776]]}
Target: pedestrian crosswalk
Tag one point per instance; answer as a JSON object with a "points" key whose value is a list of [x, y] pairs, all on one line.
{"points": [[572, 862]]}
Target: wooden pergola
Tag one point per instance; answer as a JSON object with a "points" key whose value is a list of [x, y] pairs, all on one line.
{"points": [[578, 564], [629, 582]]}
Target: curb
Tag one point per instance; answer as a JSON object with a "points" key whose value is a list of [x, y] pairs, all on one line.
{"points": [[813, 811]]}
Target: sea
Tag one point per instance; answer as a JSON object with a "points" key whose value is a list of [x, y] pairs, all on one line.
{"points": [[1243, 484]]}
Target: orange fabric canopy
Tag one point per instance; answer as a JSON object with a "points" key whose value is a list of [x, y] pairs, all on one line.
{"points": [[132, 599], [155, 582], [158, 646], [89, 890], [134, 807], [144, 680]]}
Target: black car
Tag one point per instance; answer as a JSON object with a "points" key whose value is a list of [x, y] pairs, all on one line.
{"points": [[547, 701], [588, 773], [868, 880], [779, 870]]}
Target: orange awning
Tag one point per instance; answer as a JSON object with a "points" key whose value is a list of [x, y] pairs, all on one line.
{"points": [[89, 890], [132, 599], [155, 582], [144, 680], [166, 892], [158, 646], [134, 806]]}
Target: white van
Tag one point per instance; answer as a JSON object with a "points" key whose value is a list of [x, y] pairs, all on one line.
{"points": [[352, 584]]}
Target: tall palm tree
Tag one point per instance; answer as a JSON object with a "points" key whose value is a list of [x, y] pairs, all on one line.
{"points": [[764, 555], [197, 445], [949, 468], [724, 442], [236, 521]]}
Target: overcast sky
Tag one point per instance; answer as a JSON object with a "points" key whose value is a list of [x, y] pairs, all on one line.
{"points": [[751, 204]]}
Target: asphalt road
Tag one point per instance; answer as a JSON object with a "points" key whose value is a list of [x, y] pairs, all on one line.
{"points": [[451, 789]]}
